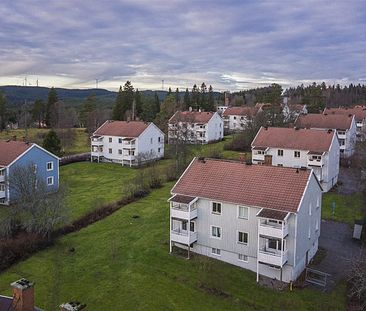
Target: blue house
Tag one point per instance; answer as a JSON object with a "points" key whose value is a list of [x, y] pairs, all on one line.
{"points": [[15, 154]]}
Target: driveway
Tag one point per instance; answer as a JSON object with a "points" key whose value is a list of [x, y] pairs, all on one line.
{"points": [[336, 239]]}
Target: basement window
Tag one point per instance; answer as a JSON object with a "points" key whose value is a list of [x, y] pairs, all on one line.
{"points": [[216, 251]]}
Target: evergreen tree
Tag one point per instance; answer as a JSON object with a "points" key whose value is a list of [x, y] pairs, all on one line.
{"points": [[210, 100], [38, 112], [124, 101], [88, 108], [177, 97], [156, 103], [187, 100], [50, 109], [138, 103], [168, 108], [195, 97], [117, 109], [169, 92], [3, 112], [203, 97], [52, 143]]}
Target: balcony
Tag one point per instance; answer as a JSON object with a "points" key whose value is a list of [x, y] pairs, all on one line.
{"points": [[97, 142], [129, 145], [2, 178], [2, 194], [182, 211], [272, 257], [183, 236], [258, 157], [315, 162], [273, 230], [128, 157]]}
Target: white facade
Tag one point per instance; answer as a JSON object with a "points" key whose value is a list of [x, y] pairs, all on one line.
{"points": [[196, 132], [291, 112], [325, 165], [131, 151], [236, 123], [240, 236], [347, 140], [221, 109]]}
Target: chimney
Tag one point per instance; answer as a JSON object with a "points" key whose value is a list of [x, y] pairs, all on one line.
{"points": [[23, 295], [73, 306], [267, 160]]}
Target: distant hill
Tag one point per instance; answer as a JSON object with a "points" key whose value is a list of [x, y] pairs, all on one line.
{"points": [[18, 95]]}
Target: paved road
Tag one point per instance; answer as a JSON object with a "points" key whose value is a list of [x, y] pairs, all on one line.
{"points": [[336, 239]]}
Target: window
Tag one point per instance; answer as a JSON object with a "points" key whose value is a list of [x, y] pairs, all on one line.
{"points": [[110, 150], [216, 232], [280, 165], [216, 208], [243, 237], [49, 166], [243, 257], [243, 212], [110, 139], [260, 152], [184, 225], [280, 152], [216, 251], [50, 181], [297, 154], [2, 187], [342, 142], [35, 168], [158, 150], [2, 172], [274, 244], [159, 139], [119, 151], [119, 140]]}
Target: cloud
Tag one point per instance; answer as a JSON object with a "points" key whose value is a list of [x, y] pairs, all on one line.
{"points": [[229, 44]]}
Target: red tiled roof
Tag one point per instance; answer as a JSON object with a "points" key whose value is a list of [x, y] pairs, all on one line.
{"points": [[240, 111], [272, 214], [277, 188], [122, 128], [322, 121], [10, 150], [358, 111], [191, 116], [290, 138]]}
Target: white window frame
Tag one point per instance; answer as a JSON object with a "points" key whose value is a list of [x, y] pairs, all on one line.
{"points": [[245, 207], [297, 152], [110, 150], [49, 169], [280, 152], [211, 232], [212, 208], [2, 186], [110, 139], [53, 181], [216, 251], [242, 243], [120, 140], [242, 259]]}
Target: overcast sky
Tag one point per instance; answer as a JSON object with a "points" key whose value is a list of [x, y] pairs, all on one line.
{"points": [[230, 44]]}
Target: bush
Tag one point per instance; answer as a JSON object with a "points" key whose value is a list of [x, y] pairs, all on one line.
{"points": [[240, 142]]}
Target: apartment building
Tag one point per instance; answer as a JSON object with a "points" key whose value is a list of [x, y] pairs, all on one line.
{"points": [[294, 147], [237, 119], [292, 111], [129, 143], [344, 125], [262, 218]]}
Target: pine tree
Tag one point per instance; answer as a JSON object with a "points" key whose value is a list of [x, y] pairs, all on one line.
{"points": [[156, 103], [195, 97], [138, 103], [203, 97], [3, 112], [38, 112], [169, 92], [177, 97], [50, 109], [117, 109], [187, 100], [52, 143], [124, 101], [210, 100]]}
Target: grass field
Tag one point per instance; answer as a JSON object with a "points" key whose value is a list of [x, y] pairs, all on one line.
{"points": [[122, 263], [80, 144], [348, 207]]}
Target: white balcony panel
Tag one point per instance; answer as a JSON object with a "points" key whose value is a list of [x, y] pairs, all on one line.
{"points": [[273, 231], [270, 258], [2, 194], [183, 237], [183, 213]]}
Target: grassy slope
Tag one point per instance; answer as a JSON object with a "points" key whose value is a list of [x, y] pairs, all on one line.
{"points": [[121, 263], [348, 207]]}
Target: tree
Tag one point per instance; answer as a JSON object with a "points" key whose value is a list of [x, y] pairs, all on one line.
{"points": [[177, 97], [52, 143], [156, 103], [138, 103], [186, 100], [3, 112], [203, 97], [210, 100], [38, 112], [52, 99], [195, 97], [124, 101], [168, 108]]}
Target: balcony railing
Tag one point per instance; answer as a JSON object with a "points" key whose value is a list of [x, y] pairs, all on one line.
{"points": [[97, 142], [258, 157], [181, 211], [315, 162], [272, 257], [273, 230], [2, 194], [183, 236], [2, 178]]}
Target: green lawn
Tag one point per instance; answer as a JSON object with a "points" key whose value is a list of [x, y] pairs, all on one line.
{"points": [[348, 207], [122, 263], [80, 144]]}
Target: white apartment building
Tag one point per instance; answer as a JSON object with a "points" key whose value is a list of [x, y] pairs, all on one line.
{"points": [[344, 125], [262, 218], [292, 111], [293, 147], [195, 127], [127, 142], [237, 118], [360, 118]]}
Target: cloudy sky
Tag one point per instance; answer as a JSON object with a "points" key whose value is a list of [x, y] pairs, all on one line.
{"points": [[230, 44]]}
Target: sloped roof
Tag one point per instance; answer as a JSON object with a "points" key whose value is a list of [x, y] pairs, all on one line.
{"points": [[240, 111], [122, 128], [10, 150], [192, 116], [277, 188], [291, 138], [324, 121], [358, 111]]}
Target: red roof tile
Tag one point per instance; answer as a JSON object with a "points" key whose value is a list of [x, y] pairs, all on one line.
{"points": [[290, 138], [10, 150], [240, 111], [358, 111], [122, 128], [191, 116], [277, 188], [322, 121]]}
